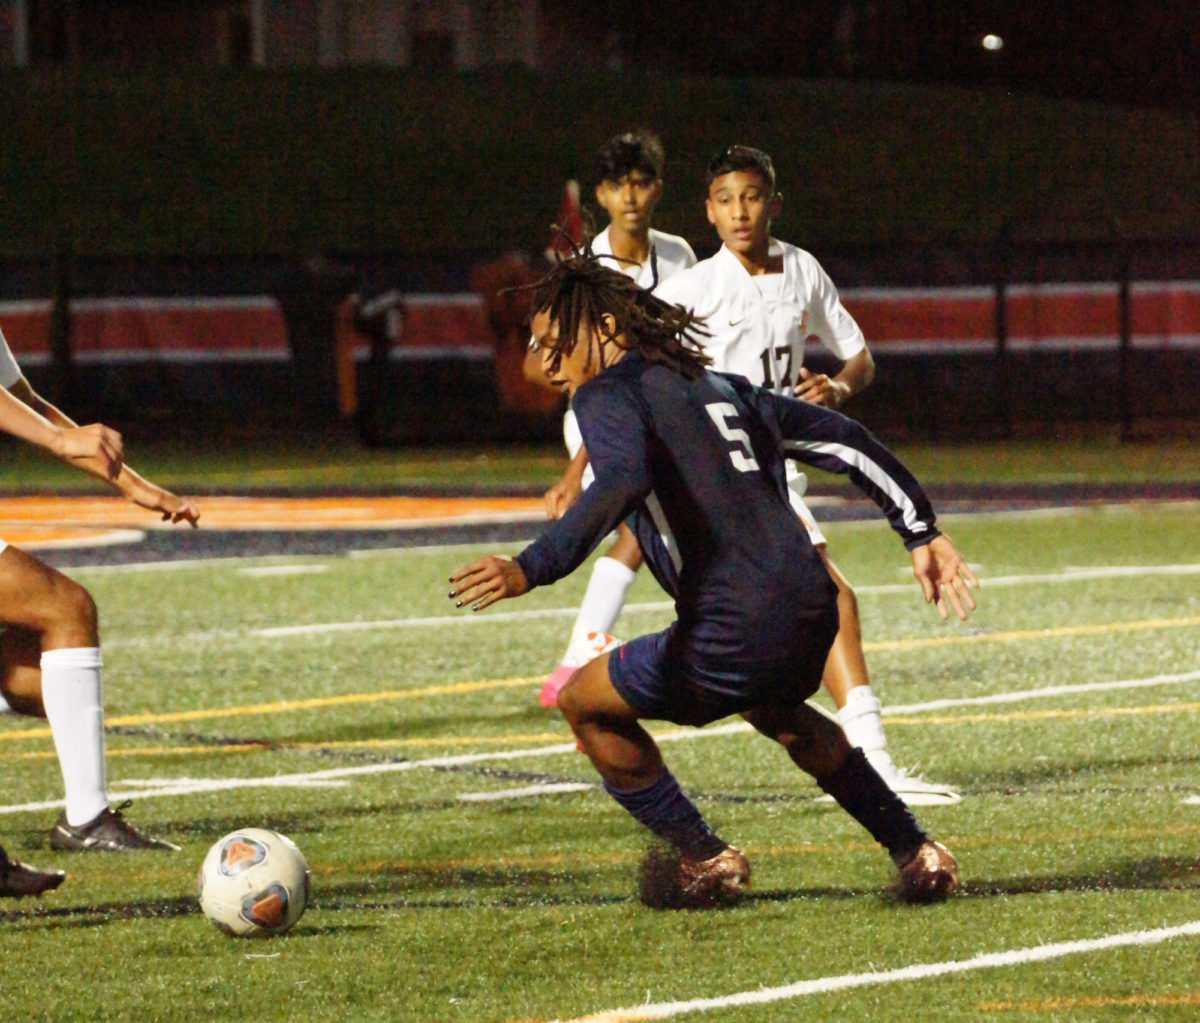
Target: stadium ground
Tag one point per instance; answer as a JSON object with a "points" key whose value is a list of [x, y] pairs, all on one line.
{"points": [[467, 868], [72, 530]]}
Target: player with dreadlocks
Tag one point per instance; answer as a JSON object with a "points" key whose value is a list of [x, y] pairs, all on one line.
{"points": [[628, 176], [697, 459]]}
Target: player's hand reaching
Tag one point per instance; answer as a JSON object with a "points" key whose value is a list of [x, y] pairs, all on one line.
{"points": [[944, 576], [171, 507], [94, 441], [486, 581], [821, 389]]}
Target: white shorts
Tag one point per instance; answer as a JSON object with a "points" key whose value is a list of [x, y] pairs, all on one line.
{"points": [[574, 441], [797, 485]]}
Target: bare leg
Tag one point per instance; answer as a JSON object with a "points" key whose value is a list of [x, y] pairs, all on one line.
{"points": [[846, 680], [846, 666], [608, 730]]}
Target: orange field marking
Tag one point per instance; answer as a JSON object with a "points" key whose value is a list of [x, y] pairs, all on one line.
{"points": [[22, 518]]}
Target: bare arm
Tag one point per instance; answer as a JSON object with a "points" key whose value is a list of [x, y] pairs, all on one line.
{"points": [[135, 487], [856, 374], [95, 445], [566, 491]]}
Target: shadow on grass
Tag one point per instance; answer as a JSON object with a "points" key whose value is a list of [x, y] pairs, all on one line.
{"points": [[424, 888], [1158, 873]]}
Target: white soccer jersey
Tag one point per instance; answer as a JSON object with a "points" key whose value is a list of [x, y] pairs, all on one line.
{"points": [[671, 254], [757, 326], [10, 372]]}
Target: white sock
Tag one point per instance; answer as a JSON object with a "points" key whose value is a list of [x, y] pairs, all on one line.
{"points": [[602, 603], [4, 707], [71, 696], [861, 721]]}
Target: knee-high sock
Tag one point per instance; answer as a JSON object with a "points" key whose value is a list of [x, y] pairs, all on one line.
{"points": [[666, 811], [71, 695], [602, 602], [858, 789]]}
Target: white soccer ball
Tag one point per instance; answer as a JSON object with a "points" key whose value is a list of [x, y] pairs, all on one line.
{"points": [[254, 883]]}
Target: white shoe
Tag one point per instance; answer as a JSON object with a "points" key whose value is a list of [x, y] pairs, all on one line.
{"points": [[912, 788]]}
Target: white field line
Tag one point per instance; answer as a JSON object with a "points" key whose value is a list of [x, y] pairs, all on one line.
{"points": [[335, 774], [189, 786], [918, 971], [1070, 575], [528, 790]]}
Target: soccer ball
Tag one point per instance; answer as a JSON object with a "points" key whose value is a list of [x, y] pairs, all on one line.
{"points": [[253, 883]]}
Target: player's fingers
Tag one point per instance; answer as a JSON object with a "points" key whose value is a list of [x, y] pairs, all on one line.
{"points": [[952, 596], [939, 601], [927, 588], [964, 592], [965, 571]]}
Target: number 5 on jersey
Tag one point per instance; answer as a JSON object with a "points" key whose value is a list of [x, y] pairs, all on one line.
{"points": [[742, 455]]}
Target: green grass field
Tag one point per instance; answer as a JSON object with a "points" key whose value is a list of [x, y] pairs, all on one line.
{"points": [[342, 701], [237, 466]]}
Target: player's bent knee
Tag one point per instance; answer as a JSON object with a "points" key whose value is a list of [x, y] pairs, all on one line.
{"points": [[78, 606]]}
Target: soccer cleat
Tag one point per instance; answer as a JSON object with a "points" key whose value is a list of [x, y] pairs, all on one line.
{"points": [[930, 876], [912, 788], [593, 646], [107, 831], [20, 879], [670, 880]]}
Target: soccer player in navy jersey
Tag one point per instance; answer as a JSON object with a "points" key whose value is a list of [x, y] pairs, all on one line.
{"points": [[696, 459]]}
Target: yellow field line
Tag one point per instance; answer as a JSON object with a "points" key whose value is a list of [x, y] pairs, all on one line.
{"points": [[287, 705], [315, 703], [1097, 1002], [1034, 715], [265, 745], [243, 745], [1008, 637], [468, 741]]}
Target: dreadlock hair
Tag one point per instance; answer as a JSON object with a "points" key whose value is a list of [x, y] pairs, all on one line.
{"points": [[581, 289]]}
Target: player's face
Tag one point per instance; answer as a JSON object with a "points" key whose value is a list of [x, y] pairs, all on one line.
{"points": [[740, 206], [570, 370], [629, 202]]}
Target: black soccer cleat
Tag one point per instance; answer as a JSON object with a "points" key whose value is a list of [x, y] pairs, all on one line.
{"points": [[20, 879], [107, 831]]}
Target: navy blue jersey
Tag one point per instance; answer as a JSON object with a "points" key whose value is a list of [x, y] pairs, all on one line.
{"points": [[699, 464]]}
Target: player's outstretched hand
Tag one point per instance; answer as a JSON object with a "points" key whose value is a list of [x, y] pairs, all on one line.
{"points": [[487, 580], [171, 507], [821, 389], [944, 576], [93, 441]]}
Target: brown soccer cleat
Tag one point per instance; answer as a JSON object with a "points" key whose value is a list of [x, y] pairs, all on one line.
{"points": [[18, 879], [930, 876], [670, 880]]}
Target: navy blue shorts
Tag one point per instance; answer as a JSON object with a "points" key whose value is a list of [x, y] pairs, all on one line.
{"points": [[661, 678]]}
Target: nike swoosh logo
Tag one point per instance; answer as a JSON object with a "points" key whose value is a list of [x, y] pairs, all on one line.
{"points": [[734, 323]]}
